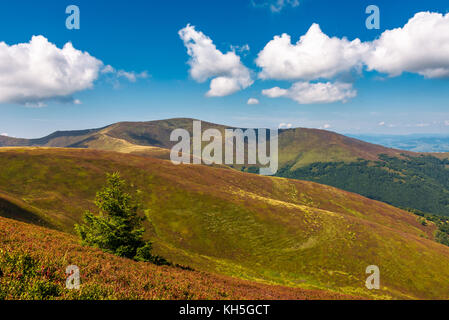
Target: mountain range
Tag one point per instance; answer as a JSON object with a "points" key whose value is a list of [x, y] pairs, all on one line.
{"points": [[402, 178]]}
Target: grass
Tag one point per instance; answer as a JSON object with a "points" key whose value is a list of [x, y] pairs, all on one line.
{"points": [[33, 262], [267, 230]]}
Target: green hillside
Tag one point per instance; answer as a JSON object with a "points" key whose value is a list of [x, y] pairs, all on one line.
{"points": [[264, 229], [401, 178], [33, 261]]}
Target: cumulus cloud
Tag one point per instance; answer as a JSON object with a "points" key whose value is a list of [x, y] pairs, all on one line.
{"points": [[421, 46], [311, 93], [228, 73], [38, 70], [253, 101], [314, 56], [4, 134], [275, 5], [381, 124], [326, 126]]}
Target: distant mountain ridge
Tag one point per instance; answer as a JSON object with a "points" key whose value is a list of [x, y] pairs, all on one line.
{"points": [[297, 146], [402, 178], [413, 142]]}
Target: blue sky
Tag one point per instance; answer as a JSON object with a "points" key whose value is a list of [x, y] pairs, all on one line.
{"points": [[142, 36]]}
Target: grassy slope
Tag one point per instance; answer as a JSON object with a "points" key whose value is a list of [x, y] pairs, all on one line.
{"points": [[104, 276], [271, 230]]}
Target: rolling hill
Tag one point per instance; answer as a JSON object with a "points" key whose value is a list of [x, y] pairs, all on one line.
{"points": [[104, 276], [401, 178], [217, 220]]}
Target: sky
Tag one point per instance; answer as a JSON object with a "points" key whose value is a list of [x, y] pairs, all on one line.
{"points": [[246, 63]]}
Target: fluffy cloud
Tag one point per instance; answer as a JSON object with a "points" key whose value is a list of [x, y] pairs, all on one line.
{"points": [[310, 93], [253, 101], [446, 122], [37, 71], [275, 92], [206, 61], [421, 46], [4, 135], [314, 56]]}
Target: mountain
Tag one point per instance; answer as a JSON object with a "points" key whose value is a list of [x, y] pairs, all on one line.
{"points": [[297, 147], [218, 220], [402, 178]]}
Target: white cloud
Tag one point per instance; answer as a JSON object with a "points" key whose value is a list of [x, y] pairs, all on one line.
{"points": [[275, 92], [241, 49], [4, 135], [253, 101], [228, 73], [446, 122], [33, 73], [275, 5], [108, 69], [421, 46], [314, 56], [37, 71], [284, 125], [326, 126], [382, 123], [310, 93], [131, 76]]}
